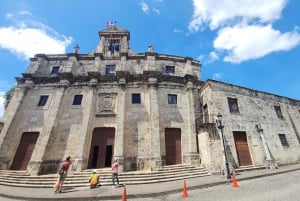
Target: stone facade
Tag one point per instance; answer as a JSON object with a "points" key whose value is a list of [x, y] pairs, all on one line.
{"points": [[270, 123], [111, 103], [145, 109]]}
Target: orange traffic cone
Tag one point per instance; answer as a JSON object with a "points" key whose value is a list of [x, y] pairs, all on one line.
{"points": [[124, 196], [234, 182], [184, 192]]}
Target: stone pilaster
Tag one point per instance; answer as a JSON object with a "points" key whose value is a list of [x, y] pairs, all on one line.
{"points": [[154, 126], [191, 156], [119, 135]]}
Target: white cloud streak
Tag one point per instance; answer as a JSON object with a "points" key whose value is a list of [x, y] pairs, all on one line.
{"points": [[217, 76], [156, 10], [145, 7]]}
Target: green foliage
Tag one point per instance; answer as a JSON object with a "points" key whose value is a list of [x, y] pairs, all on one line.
{"points": [[8, 96]]}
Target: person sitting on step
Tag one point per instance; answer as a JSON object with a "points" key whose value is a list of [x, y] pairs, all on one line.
{"points": [[94, 179]]}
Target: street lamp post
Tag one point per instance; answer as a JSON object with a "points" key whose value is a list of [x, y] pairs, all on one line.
{"points": [[220, 126]]}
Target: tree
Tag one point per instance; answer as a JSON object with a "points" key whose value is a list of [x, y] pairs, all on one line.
{"points": [[8, 96]]}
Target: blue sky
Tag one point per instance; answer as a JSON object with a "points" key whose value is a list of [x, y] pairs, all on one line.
{"points": [[250, 43]]}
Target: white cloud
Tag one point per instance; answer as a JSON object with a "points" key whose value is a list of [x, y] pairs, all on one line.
{"points": [[216, 13], [30, 37], [177, 30], [200, 57], [213, 56], [1, 104], [145, 7], [253, 41], [156, 10], [244, 28], [217, 76]]}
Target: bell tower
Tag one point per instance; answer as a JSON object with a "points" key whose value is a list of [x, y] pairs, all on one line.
{"points": [[114, 42]]}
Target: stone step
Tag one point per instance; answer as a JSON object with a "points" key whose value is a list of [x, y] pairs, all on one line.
{"points": [[80, 179], [249, 168]]}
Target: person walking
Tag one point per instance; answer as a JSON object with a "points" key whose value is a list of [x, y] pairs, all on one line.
{"points": [[94, 179], [115, 173], [62, 175]]}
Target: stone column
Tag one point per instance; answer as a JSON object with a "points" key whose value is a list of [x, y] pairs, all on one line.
{"points": [[119, 135], [155, 151], [191, 156]]}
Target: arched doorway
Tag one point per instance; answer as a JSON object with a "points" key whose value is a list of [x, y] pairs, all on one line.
{"points": [[102, 147]]}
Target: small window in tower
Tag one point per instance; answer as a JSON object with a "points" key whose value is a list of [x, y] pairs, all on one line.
{"points": [[77, 100], [43, 100], [283, 140], [172, 99], [55, 70], [170, 69], [136, 98], [110, 70]]}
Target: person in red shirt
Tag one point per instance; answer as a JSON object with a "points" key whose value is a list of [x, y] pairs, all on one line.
{"points": [[115, 173], [63, 173]]}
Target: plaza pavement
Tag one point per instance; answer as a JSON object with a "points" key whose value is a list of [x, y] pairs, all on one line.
{"points": [[135, 191]]}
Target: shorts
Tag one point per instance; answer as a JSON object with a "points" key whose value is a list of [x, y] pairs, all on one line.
{"points": [[62, 177]]}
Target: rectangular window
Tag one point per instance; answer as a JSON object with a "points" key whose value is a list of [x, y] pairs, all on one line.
{"points": [[110, 70], [233, 105], [170, 69], [278, 112], [172, 99], [77, 100], [55, 70], [43, 100], [283, 140], [136, 99]]}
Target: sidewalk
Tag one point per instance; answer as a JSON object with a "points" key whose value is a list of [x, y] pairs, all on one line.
{"points": [[133, 191]]}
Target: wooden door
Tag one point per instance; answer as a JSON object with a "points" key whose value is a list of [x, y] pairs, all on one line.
{"points": [[242, 148], [24, 151], [173, 146], [102, 146]]}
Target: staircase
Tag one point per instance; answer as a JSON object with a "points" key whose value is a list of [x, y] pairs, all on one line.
{"points": [[80, 179]]}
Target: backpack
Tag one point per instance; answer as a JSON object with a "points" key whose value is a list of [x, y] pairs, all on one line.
{"points": [[61, 170]]}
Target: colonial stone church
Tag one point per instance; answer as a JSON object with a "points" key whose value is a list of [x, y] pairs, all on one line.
{"points": [[147, 110]]}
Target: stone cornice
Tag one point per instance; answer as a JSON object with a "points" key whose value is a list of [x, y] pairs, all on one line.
{"points": [[125, 76]]}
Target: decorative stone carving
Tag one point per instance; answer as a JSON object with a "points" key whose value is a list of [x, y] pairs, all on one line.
{"points": [[106, 104]]}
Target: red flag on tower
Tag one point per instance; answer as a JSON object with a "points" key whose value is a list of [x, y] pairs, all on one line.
{"points": [[110, 24]]}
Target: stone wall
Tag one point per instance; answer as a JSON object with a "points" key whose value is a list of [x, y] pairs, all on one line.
{"points": [[255, 108]]}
